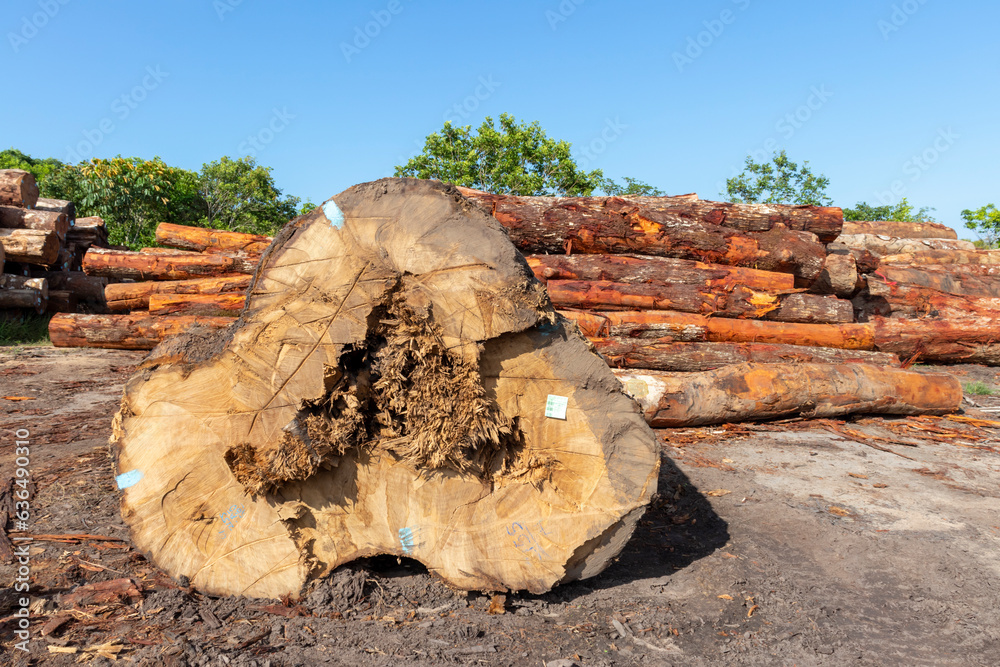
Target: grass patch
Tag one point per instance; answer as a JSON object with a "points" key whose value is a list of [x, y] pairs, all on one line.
{"points": [[30, 329], [978, 389]]}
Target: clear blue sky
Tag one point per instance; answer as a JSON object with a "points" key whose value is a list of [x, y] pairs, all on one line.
{"points": [[902, 93]]}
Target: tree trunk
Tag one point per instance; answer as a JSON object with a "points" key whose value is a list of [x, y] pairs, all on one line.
{"points": [[210, 240], [86, 288], [384, 391], [968, 340], [135, 296], [883, 246], [915, 301], [825, 222], [685, 327], [902, 230], [124, 264], [737, 302], [30, 246], [943, 279], [691, 357], [18, 188], [138, 331], [88, 232], [623, 269], [63, 206], [594, 225], [756, 392], [985, 257], [46, 221], [226, 304], [22, 292]]}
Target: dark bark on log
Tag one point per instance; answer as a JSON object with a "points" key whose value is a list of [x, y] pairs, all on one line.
{"points": [[46, 221], [61, 301], [902, 230], [135, 296], [625, 269], [756, 392], [18, 188], [686, 327], [122, 264], [201, 239], [30, 246], [86, 288], [22, 292], [906, 300], [690, 357], [58, 206], [138, 331]]}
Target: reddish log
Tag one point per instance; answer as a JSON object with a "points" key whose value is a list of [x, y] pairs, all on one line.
{"points": [[201, 239], [18, 188], [883, 246], [135, 296], [906, 300], [902, 230], [228, 304], [30, 246], [985, 257], [944, 279], [123, 264], [138, 331]]}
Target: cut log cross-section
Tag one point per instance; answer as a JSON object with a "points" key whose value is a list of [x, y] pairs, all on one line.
{"points": [[18, 188], [47, 221], [397, 383], [30, 246]]}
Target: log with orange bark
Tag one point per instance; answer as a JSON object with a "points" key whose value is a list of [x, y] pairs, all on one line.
{"points": [[902, 230], [756, 392], [595, 225], [135, 296], [123, 264], [736, 302], [201, 239], [951, 280], [642, 269], [688, 327], [823, 221], [18, 188], [138, 331], [958, 340], [905, 300], [30, 246], [693, 357], [225, 304]]}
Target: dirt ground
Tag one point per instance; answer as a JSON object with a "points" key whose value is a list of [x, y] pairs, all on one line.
{"points": [[829, 542]]}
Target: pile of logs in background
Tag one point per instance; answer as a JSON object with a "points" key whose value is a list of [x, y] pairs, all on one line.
{"points": [[677, 293], [42, 246]]}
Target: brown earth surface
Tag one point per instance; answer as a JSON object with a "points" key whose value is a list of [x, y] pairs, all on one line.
{"points": [[865, 541]]}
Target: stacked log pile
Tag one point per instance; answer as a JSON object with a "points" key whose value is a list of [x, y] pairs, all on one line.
{"points": [[42, 245]]}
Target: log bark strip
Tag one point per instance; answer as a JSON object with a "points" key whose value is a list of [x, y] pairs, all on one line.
{"points": [[984, 257], [757, 392], [944, 279], [916, 301], [122, 264], [693, 357], [201, 239], [883, 246], [968, 340], [138, 331], [902, 230], [30, 246], [592, 225], [223, 305], [63, 206], [46, 221], [624, 269], [135, 296], [18, 188], [686, 327]]}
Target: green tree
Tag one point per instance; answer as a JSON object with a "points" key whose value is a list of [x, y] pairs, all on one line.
{"points": [[241, 196], [779, 181], [985, 221], [15, 159], [514, 158], [902, 212], [630, 186]]}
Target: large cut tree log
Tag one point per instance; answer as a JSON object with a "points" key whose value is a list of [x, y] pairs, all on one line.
{"points": [[686, 327], [138, 331], [756, 392], [86, 288], [135, 296], [967, 340], [985, 257], [122, 264], [915, 301], [737, 302], [902, 230], [210, 240], [623, 269], [18, 188], [63, 206], [689, 357], [883, 246], [30, 246], [46, 221], [840, 274], [88, 232], [825, 222], [593, 225], [22, 292], [944, 279], [197, 304], [384, 391]]}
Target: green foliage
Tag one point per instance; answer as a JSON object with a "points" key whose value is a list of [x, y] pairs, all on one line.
{"points": [[241, 196], [779, 181], [514, 158], [978, 389], [15, 159], [631, 186], [27, 329], [901, 212], [985, 221], [306, 207]]}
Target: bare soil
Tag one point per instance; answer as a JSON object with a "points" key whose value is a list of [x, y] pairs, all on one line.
{"points": [[865, 541]]}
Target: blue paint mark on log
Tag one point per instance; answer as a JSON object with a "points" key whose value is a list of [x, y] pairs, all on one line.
{"points": [[333, 214], [409, 539], [127, 479]]}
